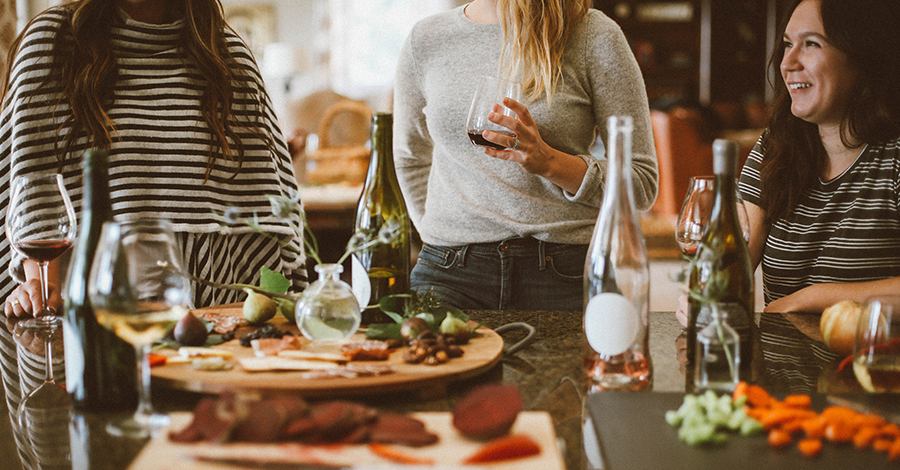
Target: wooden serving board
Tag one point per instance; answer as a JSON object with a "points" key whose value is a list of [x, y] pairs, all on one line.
{"points": [[449, 452], [481, 353]]}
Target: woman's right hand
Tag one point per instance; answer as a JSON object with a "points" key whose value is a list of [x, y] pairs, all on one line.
{"points": [[26, 299]]}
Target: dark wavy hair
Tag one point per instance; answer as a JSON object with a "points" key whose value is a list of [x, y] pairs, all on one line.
{"points": [[85, 69], [866, 31]]}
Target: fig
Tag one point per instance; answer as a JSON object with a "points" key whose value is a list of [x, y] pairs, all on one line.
{"points": [[456, 328], [287, 306], [413, 327], [258, 308], [190, 331]]}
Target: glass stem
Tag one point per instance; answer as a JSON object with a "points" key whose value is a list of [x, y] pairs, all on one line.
{"points": [[145, 406], [44, 266], [717, 317], [48, 357]]}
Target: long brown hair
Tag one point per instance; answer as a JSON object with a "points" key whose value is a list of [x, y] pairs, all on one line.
{"points": [[864, 30], [535, 34], [85, 69]]}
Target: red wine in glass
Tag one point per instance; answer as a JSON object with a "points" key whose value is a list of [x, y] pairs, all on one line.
{"points": [[478, 139], [42, 250]]}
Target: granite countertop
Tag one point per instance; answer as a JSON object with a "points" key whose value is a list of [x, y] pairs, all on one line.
{"points": [[548, 373]]}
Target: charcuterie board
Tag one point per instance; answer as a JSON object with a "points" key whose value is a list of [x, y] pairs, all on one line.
{"points": [[449, 451], [481, 353]]}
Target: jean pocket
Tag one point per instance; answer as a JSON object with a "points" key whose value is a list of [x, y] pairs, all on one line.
{"points": [[568, 264], [435, 256]]}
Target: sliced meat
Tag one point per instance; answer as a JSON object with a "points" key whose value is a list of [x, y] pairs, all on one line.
{"points": [[366, 351], [395, 428], [266, 419]]}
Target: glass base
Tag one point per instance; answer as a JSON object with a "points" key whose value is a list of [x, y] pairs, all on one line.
{"points": [[138, 426], [43, 322]]}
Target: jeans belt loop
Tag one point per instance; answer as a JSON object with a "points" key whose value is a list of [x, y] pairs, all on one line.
{"points": [[461, 256], [542, 258]]}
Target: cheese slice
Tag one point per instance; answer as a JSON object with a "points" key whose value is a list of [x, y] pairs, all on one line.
{"points": [[196, 351], [261, 364], [312, 356]]}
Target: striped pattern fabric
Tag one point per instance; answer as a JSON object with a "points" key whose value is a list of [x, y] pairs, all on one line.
{"points": [[843, 230], [158, 159]]}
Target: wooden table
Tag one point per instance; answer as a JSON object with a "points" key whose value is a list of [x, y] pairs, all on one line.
{"points": [[548, 373]]}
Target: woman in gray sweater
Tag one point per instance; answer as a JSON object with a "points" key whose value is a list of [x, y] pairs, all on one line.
{"points": [[509, 229]]}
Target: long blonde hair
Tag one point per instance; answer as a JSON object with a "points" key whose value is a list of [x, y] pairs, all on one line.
{"points": [[535, 33]]}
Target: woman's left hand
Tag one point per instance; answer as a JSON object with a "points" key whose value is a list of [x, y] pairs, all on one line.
{"points": [[532, 153]]}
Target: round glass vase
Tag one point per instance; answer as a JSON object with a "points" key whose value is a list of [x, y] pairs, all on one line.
{"points": [[327, 310]]}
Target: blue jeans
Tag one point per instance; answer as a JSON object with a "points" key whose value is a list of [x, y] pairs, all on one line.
{"points": [[515, 274]]}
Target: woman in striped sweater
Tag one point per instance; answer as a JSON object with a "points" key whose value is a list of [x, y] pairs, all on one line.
{"points": [[177, 99], [823, 183]]}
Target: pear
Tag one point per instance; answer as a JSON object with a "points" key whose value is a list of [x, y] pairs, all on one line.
{"points": [[190, 331], [258, 308]]}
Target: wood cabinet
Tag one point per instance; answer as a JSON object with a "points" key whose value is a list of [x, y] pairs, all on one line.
{"points": [[702, 51]]}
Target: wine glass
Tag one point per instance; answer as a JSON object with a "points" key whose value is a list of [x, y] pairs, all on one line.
{"points": [[876, 350], [43, 415], [138, 290], [490, 92], [40, 225], [695, 214]]}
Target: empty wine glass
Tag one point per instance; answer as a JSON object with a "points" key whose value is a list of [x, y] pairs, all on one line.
{"points": [[138, 290], [695, 214], [490, 92], [40, 225]]}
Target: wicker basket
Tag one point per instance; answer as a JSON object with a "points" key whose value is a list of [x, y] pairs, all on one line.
{"points": [[338, 163]]}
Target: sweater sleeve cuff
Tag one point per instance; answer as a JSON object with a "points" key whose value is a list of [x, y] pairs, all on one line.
{"points": [[590, 192]]}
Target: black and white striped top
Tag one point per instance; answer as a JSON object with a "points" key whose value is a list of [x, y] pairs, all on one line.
{"points": [[843, 230], [159, 156]]}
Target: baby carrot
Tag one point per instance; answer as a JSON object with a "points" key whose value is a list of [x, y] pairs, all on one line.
{"points": [[779, 438], [810, 447]]}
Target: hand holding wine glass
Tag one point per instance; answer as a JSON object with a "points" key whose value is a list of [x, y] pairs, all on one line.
{"points": [[40, 225], [695, 214], [490, 93], [138, 290]]}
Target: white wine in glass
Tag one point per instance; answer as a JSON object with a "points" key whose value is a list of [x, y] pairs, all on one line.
{"points": [[138, 291]]}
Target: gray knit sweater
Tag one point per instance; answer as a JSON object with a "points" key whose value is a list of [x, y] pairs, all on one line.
{"points": [[458, 195]]}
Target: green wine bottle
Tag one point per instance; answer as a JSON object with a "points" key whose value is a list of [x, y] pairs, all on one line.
{"points": [[100, 366], [722, 272], [383, 269]]}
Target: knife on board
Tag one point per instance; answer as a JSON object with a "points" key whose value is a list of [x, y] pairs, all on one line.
{"points": [[868, 404], [251, 463]]}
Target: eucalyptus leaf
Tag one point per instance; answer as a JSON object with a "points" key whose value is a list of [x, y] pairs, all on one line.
{"points": [[384, 331], [273, 281]]}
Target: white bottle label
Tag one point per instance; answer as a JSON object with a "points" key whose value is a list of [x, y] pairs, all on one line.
{"points": [[359, 282], [611, 323], [74, 355]]}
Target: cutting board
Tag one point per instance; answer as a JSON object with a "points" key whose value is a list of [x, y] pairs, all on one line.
{"points": [[633, 434], [482, 352], [450, 450]]}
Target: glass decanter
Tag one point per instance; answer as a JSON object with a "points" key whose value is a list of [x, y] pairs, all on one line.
{"points": [[328, 309]]}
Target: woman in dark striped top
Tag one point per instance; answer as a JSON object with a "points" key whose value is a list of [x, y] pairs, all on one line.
{"points": [[177, 98], [823, 183]]}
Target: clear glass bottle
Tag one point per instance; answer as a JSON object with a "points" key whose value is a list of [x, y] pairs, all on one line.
{"points": [[382, 269], [617, 280], [721, 273], [718, 356], [327, 310]]}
